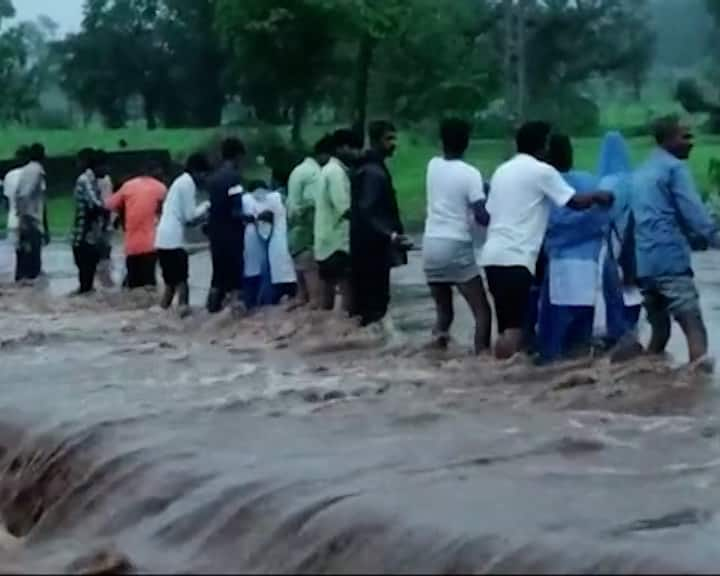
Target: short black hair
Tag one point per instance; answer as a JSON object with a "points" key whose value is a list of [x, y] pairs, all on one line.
{"points": [[84, 157], [455, 135], [97, 158], [380, 128], [36, 152], [532, 137], [323, 146], [560, 152], [664, 128], [346, 137], [197, 163], [232, 149]]}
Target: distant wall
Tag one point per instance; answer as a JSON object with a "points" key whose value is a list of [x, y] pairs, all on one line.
{"points": [[62, 171]]}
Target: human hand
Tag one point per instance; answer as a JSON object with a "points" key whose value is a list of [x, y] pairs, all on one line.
{"points": [[605, 199]]}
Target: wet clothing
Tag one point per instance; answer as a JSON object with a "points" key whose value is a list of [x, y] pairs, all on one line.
{"points": [[669, 215], [375, 217], [175, 264], [28, 253], [332, 227], [10, 190], [87, 258], [140, 200], [335, 268], [226, 235], [304, 186], [510, 288], [447, 261], [30, 211], [90, 211], [453, 187], [573, 244], [522, 192], [141, 270], [267, 259], [667, 296], [179, 211]]}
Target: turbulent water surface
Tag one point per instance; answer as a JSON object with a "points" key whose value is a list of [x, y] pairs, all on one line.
{"points": [[132, 440]]}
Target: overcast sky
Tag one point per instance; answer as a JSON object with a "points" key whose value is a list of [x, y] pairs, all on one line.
{"points": [[67, 13]]}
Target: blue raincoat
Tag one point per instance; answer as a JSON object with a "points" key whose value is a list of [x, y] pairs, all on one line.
{"points": [[573, 244], [616, 176]]}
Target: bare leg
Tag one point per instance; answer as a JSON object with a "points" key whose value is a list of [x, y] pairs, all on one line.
{"points": [[303, 295], [474, 294], [327, 295], [183, 291], [346, 295], [168, 297], [661, 327], [694, 328], [443, 296], [313, 285], [509, 344]]}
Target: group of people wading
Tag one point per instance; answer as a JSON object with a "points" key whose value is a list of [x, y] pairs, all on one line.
{"points": [[568, 257]]}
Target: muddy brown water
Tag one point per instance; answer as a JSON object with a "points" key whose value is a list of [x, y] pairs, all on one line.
{"points": [[134, 441]]}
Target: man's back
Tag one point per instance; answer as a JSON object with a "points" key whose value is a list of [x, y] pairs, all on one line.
{"points": [[666, 209], [332, 228], [141, 198], [218, 185], [31, 192], [10, 189]]}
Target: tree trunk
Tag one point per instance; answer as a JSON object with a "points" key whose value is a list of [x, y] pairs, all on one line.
{"points": [[364, 63]]}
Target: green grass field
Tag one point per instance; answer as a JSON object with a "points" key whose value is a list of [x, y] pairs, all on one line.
{"points": [[408, 166]]}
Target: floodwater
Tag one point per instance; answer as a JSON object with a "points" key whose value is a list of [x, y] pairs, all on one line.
{"points": [[135, 441]]}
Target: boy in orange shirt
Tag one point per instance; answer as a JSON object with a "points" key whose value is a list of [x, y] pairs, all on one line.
{"points": [[140, 200]]}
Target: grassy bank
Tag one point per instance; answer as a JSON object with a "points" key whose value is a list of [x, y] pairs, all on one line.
{"points": [[408, 166]]}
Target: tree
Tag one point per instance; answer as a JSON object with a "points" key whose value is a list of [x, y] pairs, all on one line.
{"points": [[282, 52], [18, 71], [164, 51]]}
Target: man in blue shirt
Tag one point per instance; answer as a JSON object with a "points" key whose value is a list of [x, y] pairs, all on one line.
{"points": [[670, 220]]}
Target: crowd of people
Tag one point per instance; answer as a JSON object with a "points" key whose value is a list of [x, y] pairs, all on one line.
{"points": [[567, 257]]}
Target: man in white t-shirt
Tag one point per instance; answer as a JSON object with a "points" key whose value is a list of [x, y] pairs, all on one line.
{"points": [[180, 210], [10, 189], [456, 208], [521, 192]]}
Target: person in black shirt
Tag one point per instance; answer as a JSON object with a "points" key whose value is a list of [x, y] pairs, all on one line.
{"points": [[226, 234]]}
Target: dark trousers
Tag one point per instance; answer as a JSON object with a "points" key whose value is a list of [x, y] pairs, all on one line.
{"points": [[141, 270], [371, 290], [228, 264], [28, 254], [87, 257]]}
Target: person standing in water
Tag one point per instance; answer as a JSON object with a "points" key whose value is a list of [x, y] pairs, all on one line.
{"points": [[31, 209], [180, 210], [519, 210], [669, 221], [455, 205], [332, 224], [377, 237], [90, 218], [226, 234], [10, 190], [140, 200], [573, 243], [304, 187]]}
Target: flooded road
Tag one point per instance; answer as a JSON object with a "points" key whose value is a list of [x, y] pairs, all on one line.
{"points": [[132, 440]]}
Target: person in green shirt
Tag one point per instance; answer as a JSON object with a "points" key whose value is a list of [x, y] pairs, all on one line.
{"points": [[304, 187], [332, 224]]}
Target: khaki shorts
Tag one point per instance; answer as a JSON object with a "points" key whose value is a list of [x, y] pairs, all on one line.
{"points": [[305, 262]]}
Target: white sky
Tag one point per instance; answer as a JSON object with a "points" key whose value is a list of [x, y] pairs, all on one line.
{"points": [[67, 13]]}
